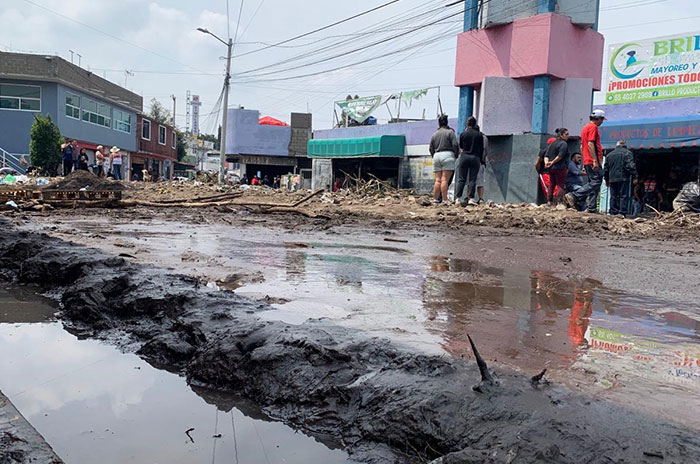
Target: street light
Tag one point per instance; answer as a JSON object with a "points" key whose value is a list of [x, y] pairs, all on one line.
{"points": [[227, 79]]}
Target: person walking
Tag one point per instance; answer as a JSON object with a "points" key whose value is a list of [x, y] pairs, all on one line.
{"points": [[115, 162], [592, 151], [443, 148], [619, 170], [67, 157], [471, 142], [557, 160]]}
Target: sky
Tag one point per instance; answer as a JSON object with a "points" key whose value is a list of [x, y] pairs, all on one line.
{"points": [[157, 42]]}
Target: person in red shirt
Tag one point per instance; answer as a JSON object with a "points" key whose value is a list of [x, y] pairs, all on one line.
{"points": [[592, 152]]}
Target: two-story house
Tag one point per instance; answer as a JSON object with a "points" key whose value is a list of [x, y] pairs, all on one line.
{"points": [[84, 106], [157, 149]]}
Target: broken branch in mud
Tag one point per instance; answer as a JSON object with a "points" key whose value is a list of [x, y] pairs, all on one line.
{"points": [[537, 378], [187, 432], [483, 368]]}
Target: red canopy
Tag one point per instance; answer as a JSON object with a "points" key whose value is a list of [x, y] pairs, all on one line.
{"points": [[270, 121]]}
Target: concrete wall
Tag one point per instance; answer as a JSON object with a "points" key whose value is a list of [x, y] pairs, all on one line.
{"points": [[15, 125], [505, 105], [244, 136], [496, 12], [301, 134], [547, 44], [510, 172]]}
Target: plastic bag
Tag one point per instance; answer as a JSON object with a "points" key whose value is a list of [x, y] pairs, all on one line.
{"points": [[688, 200]]}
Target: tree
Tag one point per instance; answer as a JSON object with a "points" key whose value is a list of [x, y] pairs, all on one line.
{"points": [[181, 149], [45, 144], [159, 113]]}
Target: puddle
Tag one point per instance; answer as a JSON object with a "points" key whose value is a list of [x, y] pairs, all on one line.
{"points": [[637, 350], [93, 403]]}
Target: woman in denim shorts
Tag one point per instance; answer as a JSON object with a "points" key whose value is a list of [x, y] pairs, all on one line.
{"points": [[443, 146]]}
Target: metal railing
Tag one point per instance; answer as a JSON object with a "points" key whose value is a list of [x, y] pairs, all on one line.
{"points": [[12, 161]]}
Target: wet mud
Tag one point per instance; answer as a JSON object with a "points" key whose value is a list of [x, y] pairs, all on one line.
{"points": [[381, 400]]}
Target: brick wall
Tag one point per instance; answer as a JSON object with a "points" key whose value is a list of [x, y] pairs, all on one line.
{"points": [[56, 69], [152, 146]]}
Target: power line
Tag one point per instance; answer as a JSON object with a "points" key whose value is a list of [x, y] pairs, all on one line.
{"points": [[238, 23], [319, 29]]}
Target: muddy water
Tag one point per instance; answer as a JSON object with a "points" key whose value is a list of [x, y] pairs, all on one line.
{"points": [[93, 403], [525, 313]]}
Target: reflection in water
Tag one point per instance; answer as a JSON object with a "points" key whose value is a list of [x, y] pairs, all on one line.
{"points": [[89, 399], [531, 320]]}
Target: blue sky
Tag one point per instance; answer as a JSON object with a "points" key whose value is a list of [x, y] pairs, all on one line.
{"points": [[158, 42]]}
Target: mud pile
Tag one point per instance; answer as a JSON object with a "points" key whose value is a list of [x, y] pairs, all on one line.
{"points": [[77, 180], [386, 403]]}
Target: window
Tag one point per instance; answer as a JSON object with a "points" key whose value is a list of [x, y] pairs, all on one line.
{"points": [[97, 113], [173, 139], [72, 105], [161, 135], [20, 97], [122, 121], [146, 130]]}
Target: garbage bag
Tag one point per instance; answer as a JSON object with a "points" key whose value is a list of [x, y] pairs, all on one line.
{"points": [[689, 198]]}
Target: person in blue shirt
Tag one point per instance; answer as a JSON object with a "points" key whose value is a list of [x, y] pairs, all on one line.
{"points": [[67, 157], [574, 176]]}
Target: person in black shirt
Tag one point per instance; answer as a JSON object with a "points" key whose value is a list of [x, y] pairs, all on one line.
{"points": [[83, 160], [557, 160], [471, 143]]}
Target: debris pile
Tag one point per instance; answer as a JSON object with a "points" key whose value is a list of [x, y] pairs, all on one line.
{"points": [[78, 180]]}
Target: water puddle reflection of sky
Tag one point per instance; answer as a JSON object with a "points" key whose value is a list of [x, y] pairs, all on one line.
{"points": [[93, 403]]}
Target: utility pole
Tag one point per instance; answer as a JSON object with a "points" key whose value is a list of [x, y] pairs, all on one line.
{"points": [[227, 80]]}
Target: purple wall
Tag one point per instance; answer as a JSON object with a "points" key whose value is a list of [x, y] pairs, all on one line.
{"points": [[417, 133]]}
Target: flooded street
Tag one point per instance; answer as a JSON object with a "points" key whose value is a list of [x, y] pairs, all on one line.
{"points": [[93, 403], [596, 327]]}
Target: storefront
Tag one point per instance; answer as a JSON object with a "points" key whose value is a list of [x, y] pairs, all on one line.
{"points": [[653, 102], [356, 158]]}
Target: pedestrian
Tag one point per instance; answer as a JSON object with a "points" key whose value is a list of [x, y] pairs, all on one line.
{"points": [[652, 193], [471, 142], [618, 172], [115, 162], [637, 199], [542, 171], [556, 160], [443, 148], [481, 176], [276, 182], [83, 160], [67, 157], [76, 154], [575, 173], [592, 151], [255, 181], [266, 181], [100, 161]]}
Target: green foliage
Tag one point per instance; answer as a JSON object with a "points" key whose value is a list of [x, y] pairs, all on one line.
{"points": [[159, 113], [181, 149], [45, 145], [212, 138]]}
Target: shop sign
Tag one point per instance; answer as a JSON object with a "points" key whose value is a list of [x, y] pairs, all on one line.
{"points": [[654, 69]]}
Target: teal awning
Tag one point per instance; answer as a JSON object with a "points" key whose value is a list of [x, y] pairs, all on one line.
{"points": [[363, 147]]}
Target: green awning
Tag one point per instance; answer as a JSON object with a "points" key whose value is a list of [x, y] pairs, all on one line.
{"points": [[364, 147]]}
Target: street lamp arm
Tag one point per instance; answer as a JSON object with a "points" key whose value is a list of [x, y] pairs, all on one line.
{"points": [[207, 31]]}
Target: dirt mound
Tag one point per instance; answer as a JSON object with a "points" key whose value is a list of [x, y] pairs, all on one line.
{"points": [[77, 180]]}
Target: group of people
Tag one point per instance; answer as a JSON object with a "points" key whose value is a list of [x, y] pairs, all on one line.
{"points": [[75, 159], [574, 179], [466, 156], [265, 180]]}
